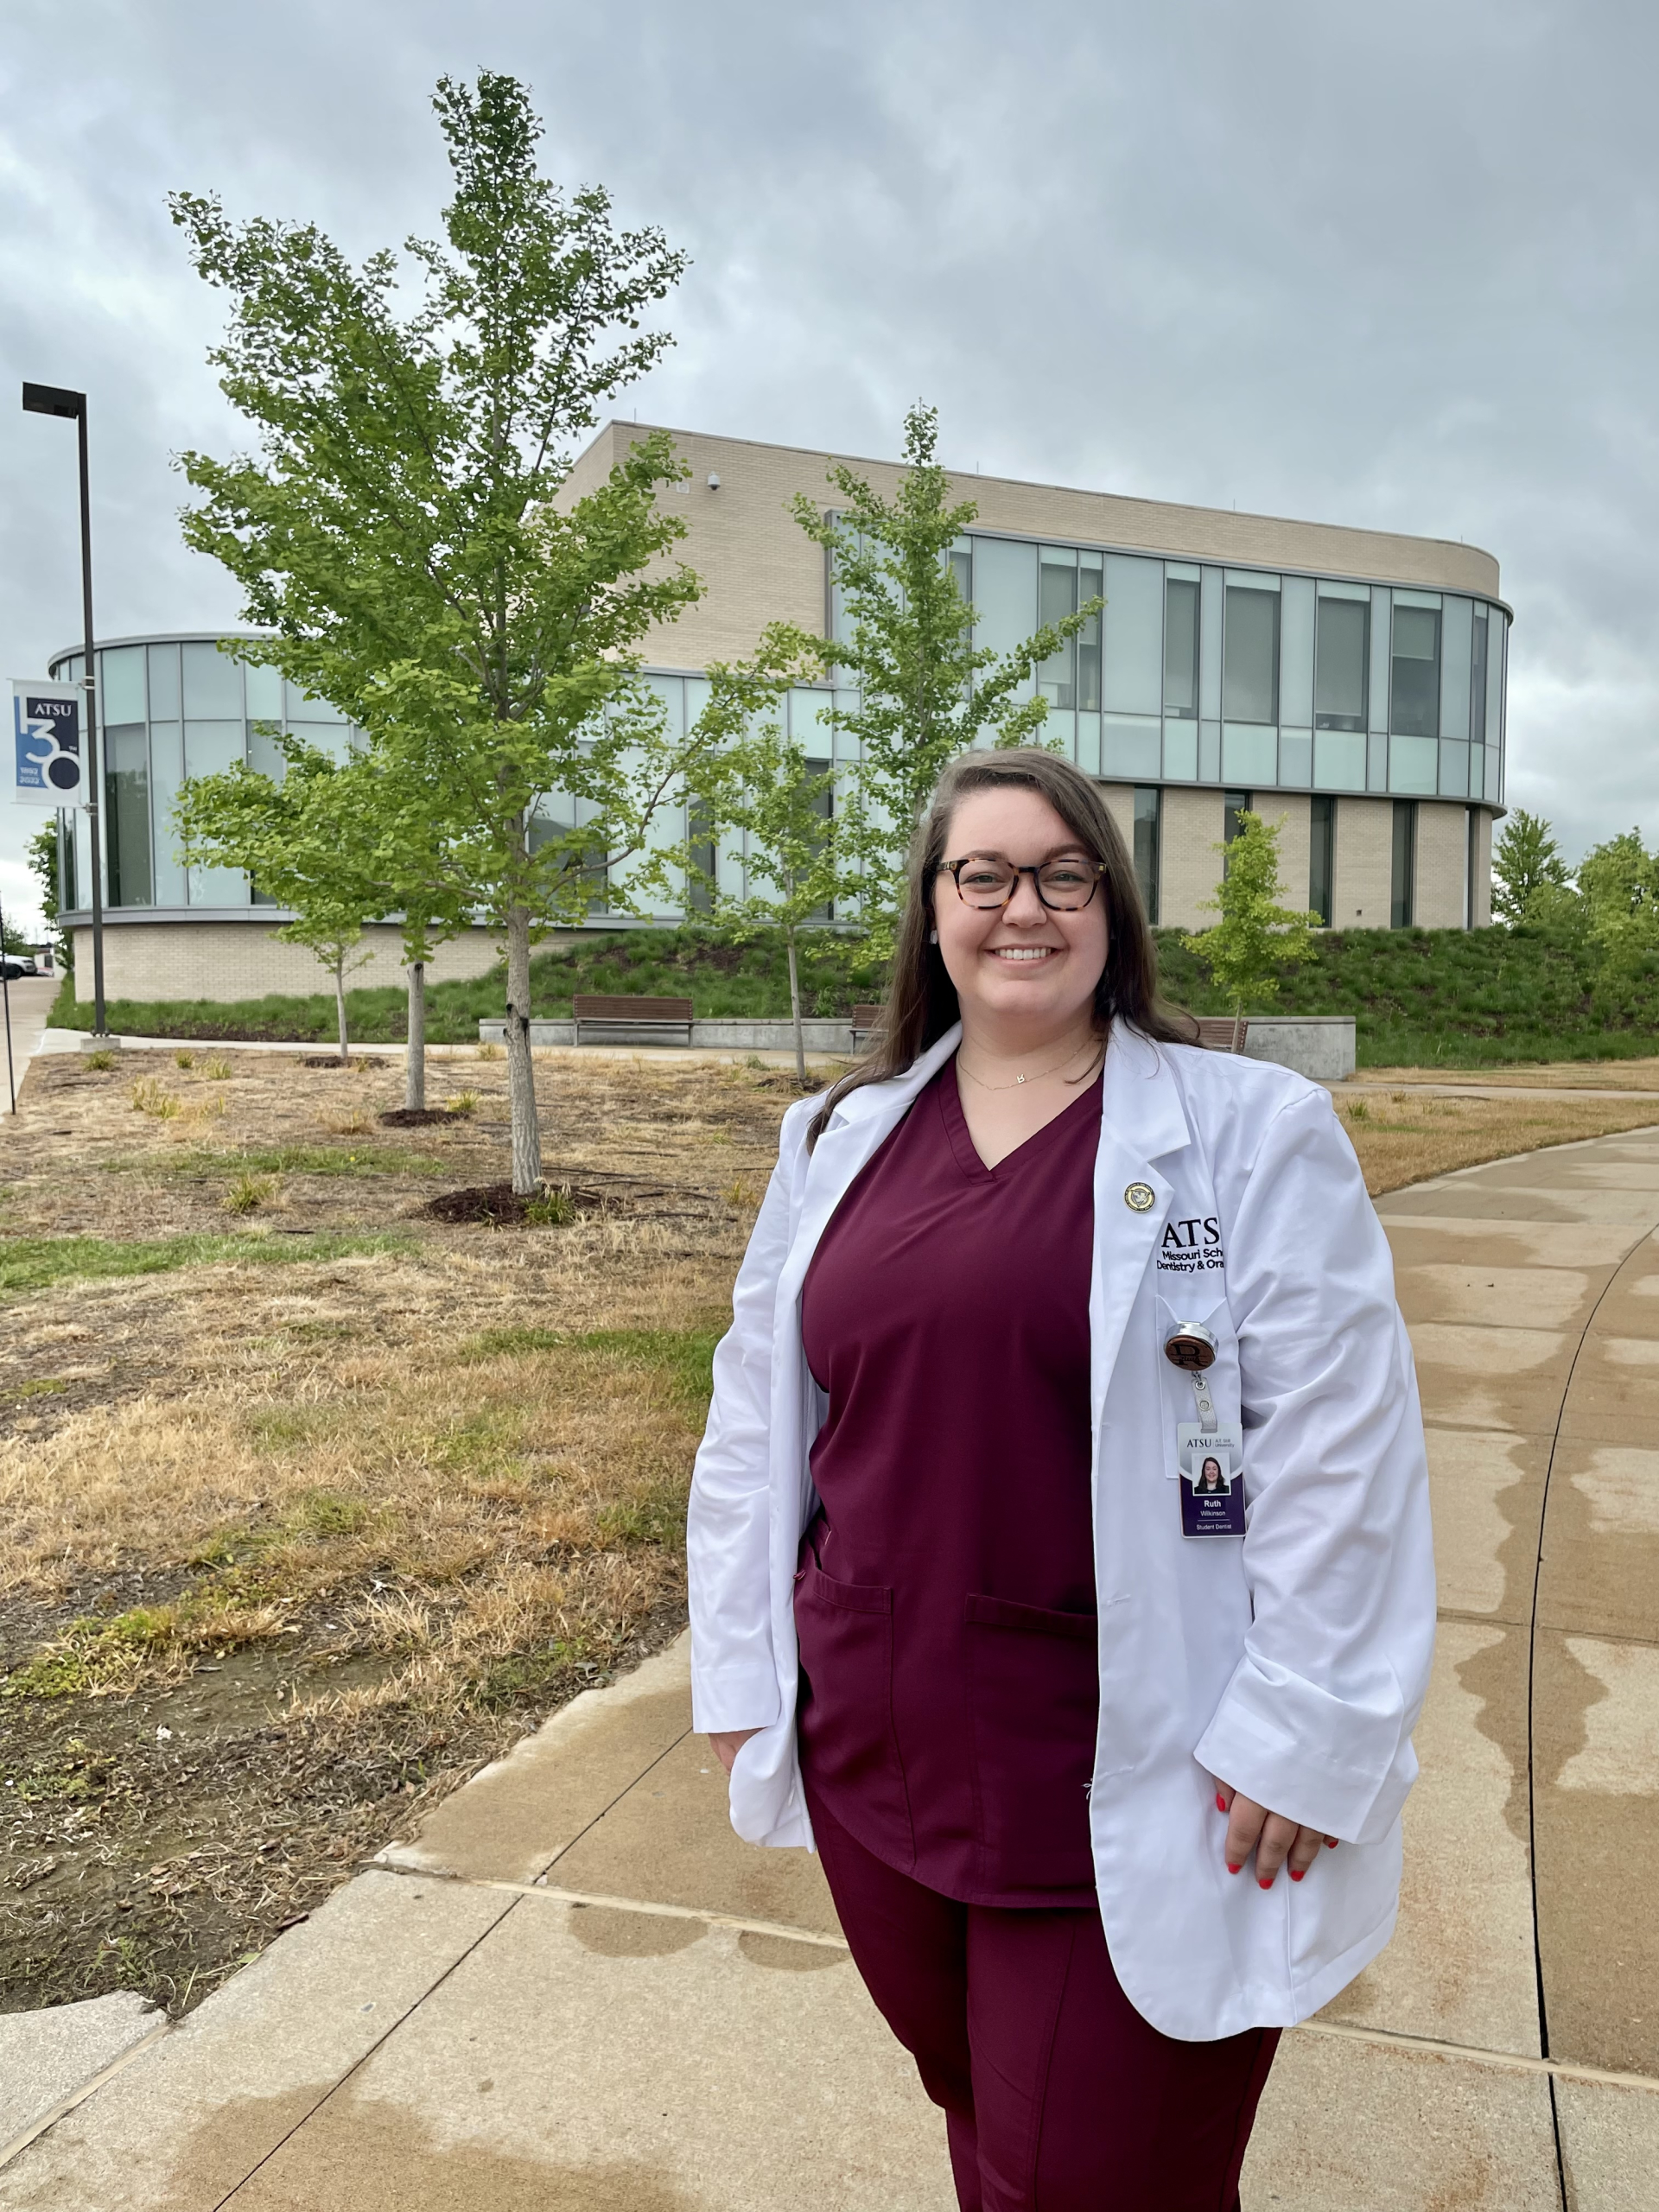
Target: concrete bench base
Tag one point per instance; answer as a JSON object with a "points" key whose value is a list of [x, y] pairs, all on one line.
{"points": [[1320, 1045]]}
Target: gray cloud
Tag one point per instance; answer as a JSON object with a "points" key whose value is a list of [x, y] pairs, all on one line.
{"points": [[1391, 267]]}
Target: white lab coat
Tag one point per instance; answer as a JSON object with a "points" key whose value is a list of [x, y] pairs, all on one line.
{"points": [[1292, 1665]]}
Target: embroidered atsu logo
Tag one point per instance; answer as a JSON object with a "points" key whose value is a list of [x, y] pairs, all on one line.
{"points": [[1191, 1246]]}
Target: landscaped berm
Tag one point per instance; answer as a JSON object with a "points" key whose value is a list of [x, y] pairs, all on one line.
{"points": [[315, 1497]]}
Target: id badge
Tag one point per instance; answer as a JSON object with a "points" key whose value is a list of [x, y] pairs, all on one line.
{"points": [[1210, 1473]]}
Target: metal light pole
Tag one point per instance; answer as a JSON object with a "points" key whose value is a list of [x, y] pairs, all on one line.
{"points": [[52, 399]]}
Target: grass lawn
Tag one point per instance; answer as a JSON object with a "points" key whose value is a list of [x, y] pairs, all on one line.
{"points": [[311, 1504], [1421, 998]]}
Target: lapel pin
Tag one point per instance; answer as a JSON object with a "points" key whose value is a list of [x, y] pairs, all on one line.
{"points": [[1140, 1198]]}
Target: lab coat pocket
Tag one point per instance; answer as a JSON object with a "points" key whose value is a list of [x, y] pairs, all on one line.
{"points": [[1034, 1689], [848, 1738]]}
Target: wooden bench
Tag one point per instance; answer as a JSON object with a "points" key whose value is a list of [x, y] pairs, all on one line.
{"points": [[868, 1021], [1216, 1033], [623, 1018]]}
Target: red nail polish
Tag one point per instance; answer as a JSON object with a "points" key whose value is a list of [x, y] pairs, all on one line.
{"points": [[1261, 1884], [1232, 1869], [1221, 1803], [1330, 1843], [1297, 1873]]}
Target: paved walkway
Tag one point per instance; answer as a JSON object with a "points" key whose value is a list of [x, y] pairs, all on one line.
{"points": [[579, 1993], [31, 998]]}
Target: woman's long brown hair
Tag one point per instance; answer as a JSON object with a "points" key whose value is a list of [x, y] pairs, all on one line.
{"points": [[921, 998]]}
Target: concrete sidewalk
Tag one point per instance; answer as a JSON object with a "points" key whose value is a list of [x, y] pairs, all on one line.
{"points": [[578, 1992]]}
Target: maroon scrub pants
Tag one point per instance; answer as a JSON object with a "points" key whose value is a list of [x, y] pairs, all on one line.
{"points": [[1059, 2097]]}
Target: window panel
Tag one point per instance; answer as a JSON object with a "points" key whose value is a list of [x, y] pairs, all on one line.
{"points": [[1091, 585], [300, 706], [1088, 744], [1478, 649], [1380, 600], [1455, 769], [1321, 856], [265, 754], [121, 686], [210, 747], [962, 568], [1005, 594], [1296, 652], [1181, 751], [126, 820], [1416, 694], [1494, 776], [1181, 649], [1060, 730], [264, 688], [1376, 761], [1133, 683], [1340, 670], [1057, 597], [1456, 648], [164, 703], [1249, 682], [1403, 886], [1338, 760], [1233, 803], [1209, 752], [1250, 753], [213, 684], [1296, 758], [1414, 764], [166, 774], [1211, 611], [1148, 810], [1496, 637], [1130, 745]]}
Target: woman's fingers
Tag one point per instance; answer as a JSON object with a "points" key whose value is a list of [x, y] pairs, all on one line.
{"points": [[1305, 1850], [1244, 1819], [1279, 1843]]}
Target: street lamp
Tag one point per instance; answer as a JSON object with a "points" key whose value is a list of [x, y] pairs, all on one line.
{"points": [[51, 399]]}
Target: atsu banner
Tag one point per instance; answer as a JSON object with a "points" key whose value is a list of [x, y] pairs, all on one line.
{"points": [[48, 770]]}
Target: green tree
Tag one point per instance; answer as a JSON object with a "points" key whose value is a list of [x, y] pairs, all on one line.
{"points": [[794, 862], [306, 841], [1619, 892], [1255, 937], [926, 692], [1526, 861], [408, 537], [43, 865]]}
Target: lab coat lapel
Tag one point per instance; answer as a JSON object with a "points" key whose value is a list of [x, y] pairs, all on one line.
{"points": [[855, 1131], [1141, 1121]]}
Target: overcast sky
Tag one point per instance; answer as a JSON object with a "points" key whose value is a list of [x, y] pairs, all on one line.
{"points": [[1390, 266]]}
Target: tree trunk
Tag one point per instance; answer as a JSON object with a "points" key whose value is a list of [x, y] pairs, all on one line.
{"points": [[795, 1010], [521, 1068], [1238, 1018], [339, 1009], [415, 1053]]}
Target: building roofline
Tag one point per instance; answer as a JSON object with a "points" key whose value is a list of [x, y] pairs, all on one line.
{"points": [[154, 638], [1228, 515]]}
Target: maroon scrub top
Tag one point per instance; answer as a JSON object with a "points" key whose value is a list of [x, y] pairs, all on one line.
{"points": [[946, 1593]]}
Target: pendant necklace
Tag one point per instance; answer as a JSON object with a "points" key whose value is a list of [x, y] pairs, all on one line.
{"points": [[1041, 1075]]}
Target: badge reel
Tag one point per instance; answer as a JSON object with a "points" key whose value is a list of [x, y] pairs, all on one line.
{"points": [[1209, 1458]]}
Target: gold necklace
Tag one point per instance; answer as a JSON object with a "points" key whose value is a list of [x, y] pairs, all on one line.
{"points": [[1040, 1077]]}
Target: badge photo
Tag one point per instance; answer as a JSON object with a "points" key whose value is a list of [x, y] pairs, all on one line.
{"points": [[1210, 1475]]}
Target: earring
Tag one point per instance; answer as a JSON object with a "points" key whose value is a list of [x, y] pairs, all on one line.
{"points": [[932, 937]]}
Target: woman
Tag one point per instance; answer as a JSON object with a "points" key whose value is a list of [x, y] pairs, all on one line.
{"points": [[1210, 1483], [949, 1622]]}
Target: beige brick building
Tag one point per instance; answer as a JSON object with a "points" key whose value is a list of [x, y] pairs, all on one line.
{"points": [[1347, 683]]}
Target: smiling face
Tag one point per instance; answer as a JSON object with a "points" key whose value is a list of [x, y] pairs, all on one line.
{"points": [[1025, 974]]}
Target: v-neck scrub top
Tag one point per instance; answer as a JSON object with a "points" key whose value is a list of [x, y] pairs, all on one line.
{"points": [[945, 1594]]}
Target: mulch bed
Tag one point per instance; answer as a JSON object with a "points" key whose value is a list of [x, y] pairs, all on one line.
{"points": [[410, 1117], [500, 1206]]}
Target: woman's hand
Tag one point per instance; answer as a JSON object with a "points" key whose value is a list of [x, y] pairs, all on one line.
{"points": [[1273, 1838], [729, 1743]]}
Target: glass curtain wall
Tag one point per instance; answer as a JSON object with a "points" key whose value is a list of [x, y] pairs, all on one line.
{"points": [[170, 708], [1402, 896], [1199, 674]]}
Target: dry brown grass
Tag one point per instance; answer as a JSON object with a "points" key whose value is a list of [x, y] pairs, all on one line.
{"points": [[286, 1552], [1549, 1075], [1403, 1136]]}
